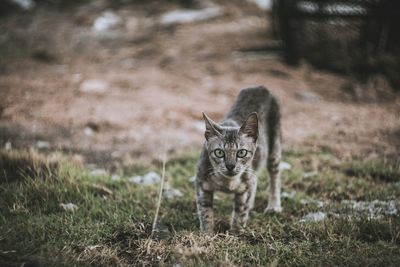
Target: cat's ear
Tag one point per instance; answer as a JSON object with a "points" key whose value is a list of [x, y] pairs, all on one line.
{"points": [[250, 126], [212, 128]]}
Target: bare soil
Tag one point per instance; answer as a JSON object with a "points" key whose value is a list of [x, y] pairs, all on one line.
{"points": [[161, 78]]}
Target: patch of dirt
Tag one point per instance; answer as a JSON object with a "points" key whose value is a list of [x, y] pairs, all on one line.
{"points": [[160, 79]]}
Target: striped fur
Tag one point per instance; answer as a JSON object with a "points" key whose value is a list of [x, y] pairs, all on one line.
{"points": [[235, 150]]}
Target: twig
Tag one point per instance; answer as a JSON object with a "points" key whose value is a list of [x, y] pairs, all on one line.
{"points": [[150, 239], [160, 193]]}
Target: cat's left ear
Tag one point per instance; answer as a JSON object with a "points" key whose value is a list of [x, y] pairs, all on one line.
{"points": [[250, 126]]}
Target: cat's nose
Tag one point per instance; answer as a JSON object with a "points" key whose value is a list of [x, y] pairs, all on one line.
{"points": [[230, 167]]}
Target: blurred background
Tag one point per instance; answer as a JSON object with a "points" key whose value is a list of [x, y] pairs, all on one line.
{"points": [[114, 81], [93, 91]]}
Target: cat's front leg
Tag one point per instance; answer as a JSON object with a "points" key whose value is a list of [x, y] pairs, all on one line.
{"points": [[204, 202], [240, 213], [243, 203]]}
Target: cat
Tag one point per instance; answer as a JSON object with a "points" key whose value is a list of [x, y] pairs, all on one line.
{"points": [[234, 152]]}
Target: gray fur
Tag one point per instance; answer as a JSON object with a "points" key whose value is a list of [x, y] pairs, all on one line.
{"points": [[253, 124]]}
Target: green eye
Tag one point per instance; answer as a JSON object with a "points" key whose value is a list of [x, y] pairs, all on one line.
{"points": [[241, 153], [219, 153]]}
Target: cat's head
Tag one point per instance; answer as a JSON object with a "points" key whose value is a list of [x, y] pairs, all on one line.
{"points": [[231, 149]]}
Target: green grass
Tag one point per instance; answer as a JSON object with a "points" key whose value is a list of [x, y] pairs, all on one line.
{"points": [[114, 228]]}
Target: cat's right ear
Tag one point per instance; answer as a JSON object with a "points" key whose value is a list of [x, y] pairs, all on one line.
{"points": [[212, 128]]}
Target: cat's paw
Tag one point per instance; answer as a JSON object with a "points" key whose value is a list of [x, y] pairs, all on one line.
{"points": [[273, 209]]}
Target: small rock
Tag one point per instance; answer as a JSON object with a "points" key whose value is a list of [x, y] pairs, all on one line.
{"points": [[314, 217], [262, 4], [192, 179], [284, 166], [106, 21], [24, 4], [374, 209], [172, 193], [310, 174], [115, 177], [308, 96], [190, 15], [93, 86], [8, 145], [288, 194], [88, 131], [319, 203], [304, 201], [98, 172], [94, 126], [69, 207], [42, 144], [148, 179]]}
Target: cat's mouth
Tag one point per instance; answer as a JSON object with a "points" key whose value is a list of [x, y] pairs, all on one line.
{"points": [[229, 174]]}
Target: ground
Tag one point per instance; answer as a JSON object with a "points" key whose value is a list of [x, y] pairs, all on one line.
{"points": [[113, 221], [159, 79]]}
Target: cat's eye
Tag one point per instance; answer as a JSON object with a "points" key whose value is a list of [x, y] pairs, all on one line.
{"points": [[219, 153], [241, 153]]}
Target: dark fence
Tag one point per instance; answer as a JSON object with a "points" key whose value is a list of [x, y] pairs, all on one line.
{"points": [[352, 36]]}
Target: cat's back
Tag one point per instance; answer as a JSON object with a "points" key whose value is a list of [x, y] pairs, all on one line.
{"points": [[254, 92], [254, 99]]}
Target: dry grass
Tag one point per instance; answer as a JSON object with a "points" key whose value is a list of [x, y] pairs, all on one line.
{"points": [[115, 228]]}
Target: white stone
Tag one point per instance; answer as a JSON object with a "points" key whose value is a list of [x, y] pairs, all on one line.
{"points": [[310, 174], [8, 145], [42, 144], [115, 177], [148, 179], [172, 193], [284, 166], [25, 4], [93, 86], [107, 20], [190, 15], [374, 209], [262, 4], [313, 217], [88, 131], [69, 207], [288, 194]]}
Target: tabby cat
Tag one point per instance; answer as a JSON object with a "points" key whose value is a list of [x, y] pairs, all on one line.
{"points": [[234, 152]]}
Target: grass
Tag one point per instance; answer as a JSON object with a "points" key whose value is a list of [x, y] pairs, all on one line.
{"points": [[113, 223]]}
